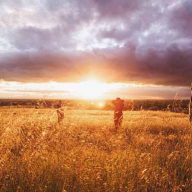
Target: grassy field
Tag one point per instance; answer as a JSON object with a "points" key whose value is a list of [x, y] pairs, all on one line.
{"points": [[151, 152]]}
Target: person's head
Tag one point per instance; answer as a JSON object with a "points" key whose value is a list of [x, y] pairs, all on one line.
{"points": [[59, 104], [118, 98]]}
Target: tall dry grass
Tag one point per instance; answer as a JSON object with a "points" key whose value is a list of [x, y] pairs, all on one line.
{"points": [[151, 152]]}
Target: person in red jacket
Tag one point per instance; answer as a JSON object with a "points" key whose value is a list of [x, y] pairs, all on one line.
{"points": [[118, 112]]}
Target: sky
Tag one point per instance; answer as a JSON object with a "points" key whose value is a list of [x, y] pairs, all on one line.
{"points": [[143, 48]]}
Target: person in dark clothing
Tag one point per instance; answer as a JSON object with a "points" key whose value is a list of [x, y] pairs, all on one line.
{"points": [[118, 112]]}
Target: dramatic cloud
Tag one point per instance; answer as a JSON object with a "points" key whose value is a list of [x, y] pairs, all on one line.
{"points": [[143, 41]]}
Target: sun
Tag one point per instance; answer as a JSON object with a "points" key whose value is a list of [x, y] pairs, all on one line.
{"points": [[91, 89], [101, 104]]}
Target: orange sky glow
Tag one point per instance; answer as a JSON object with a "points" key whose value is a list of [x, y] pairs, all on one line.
{"points": [[89, 89]]}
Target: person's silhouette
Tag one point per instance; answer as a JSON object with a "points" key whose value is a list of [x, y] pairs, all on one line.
{"points": [[60, 112], [118, 112]]}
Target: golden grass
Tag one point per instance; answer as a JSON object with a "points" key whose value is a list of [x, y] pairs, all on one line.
{"points": [[151, 152]]}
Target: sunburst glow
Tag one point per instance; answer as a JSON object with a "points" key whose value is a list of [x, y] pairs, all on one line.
{"points": [[87, 89], [101, 104], [90, 89]]}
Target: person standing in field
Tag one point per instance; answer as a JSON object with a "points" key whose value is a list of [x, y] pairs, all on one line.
{"points": [[60, 112], [118, 112]]}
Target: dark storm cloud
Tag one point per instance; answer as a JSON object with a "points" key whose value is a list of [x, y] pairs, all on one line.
{"points": [[181, 19], [113, 9], [169, 67], [141, 41], [42, 67], [32, 38]]}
